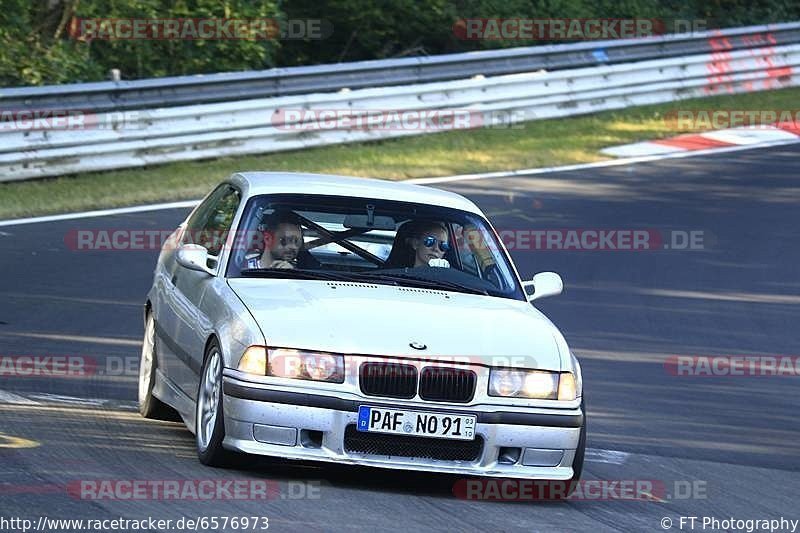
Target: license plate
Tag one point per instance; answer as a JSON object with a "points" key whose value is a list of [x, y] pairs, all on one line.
{"points": [[416, 423]]}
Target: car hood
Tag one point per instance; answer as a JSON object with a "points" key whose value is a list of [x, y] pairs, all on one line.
{"points": [[371, 319]]}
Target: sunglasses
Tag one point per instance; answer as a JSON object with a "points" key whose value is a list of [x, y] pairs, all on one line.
{"points": [[429, 241]]}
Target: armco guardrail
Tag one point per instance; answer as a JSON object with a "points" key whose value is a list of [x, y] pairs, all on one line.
{"points": [[152, 136]]}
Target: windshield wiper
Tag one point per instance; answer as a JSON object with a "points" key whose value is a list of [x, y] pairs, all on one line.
{"points": [[423, 282], [294, 274]]}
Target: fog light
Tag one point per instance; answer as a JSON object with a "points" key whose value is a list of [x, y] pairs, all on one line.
{"points": [[542, 457], [284, 436]]}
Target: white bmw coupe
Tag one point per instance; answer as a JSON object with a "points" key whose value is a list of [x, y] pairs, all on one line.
{"points": [[348, 320]]}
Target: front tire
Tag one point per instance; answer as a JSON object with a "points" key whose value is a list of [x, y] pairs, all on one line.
{"points": [[562, 490], [209, 416], [580, 453], [149, 405]]}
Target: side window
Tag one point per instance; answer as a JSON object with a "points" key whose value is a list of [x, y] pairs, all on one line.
{"points": [[211, 223]]}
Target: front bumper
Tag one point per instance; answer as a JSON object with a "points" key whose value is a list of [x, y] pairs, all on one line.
{"points": [[293, 423]]}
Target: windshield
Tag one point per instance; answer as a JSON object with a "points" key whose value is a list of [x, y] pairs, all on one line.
{"points": [[369, 240]]}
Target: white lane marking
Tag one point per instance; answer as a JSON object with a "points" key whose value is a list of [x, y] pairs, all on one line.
{"points": [[652, 498], [12, 442], [70, 400], [425, 181], [124, 406], [50, 298], [45, 398], [10, 397], [73, 338], [614, 457], [100, 213]]}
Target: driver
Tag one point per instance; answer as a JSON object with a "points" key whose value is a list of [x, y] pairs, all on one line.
{"points": [[283, 241], [429, 243]]}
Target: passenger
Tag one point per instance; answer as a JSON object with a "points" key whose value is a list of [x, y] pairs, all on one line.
{"points": [[420, 244]]}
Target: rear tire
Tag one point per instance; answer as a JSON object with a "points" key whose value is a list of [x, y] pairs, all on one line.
{"points": [[149, 405], [209, 416]]}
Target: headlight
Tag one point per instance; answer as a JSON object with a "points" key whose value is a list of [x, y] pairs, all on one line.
{"points": [[506, 383], [535, 384], [298, 364]]}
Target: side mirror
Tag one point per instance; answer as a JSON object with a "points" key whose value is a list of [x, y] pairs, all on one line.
{"points": [[194, 257], [542, 285]]}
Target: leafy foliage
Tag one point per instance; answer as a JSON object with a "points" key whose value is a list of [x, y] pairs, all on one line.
{"points": [[37, 47]]}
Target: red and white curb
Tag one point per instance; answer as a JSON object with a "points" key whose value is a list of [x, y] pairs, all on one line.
{"points": [[747, 136]]}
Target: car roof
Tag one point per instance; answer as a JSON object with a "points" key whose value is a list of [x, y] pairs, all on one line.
{"points": [[256, 183]]}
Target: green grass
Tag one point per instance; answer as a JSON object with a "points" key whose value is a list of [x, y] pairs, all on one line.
{"points": [[532, 144]]}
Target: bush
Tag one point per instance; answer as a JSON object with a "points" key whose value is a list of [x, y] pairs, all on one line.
{"points": [[38, 49]]}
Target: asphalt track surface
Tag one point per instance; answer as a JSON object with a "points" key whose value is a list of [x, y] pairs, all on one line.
{"points": [[737, 439]]}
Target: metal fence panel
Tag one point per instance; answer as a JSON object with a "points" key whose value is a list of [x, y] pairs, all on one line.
{"points": [[207, 130]]}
